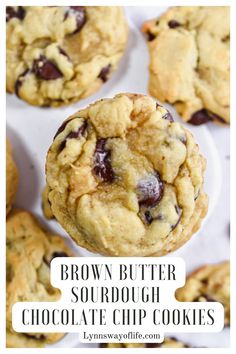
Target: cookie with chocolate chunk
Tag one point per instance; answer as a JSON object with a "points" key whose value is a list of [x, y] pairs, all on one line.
{"points": [[189, 49], [169, 342], [57, 55], [30, 250], [11, 177], [209, 283], [124, 179]]}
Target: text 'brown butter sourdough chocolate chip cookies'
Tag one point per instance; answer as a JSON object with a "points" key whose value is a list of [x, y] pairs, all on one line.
{"points": [[209, 283], [29, 252], [124, 179], [190, 61], [11, 177], [57, 55], [169, 342]]}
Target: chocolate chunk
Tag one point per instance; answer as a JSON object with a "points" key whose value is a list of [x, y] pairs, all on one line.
{"points": [[104, 73], [11, 12], [168, 116], [80, 16], [102, 162], [173, 24], [19, 82], [150, 36], [200, 117], [46, 69], [150, 190], [74, 135], [204, 116]]}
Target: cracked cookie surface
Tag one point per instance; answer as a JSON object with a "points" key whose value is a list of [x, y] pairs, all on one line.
{"points": [[29, 252], [190, 61], [124, 179], [57, 55], [169, 342], [11, 177], [209, 283]]}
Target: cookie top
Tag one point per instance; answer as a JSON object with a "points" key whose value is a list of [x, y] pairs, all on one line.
{"points": [[190, 61], [169, 342], [11, 177], [29, 252], [125, 179], [57, 55], [209, 283]]}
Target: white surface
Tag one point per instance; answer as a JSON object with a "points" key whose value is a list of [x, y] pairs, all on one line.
{"points": [[31, 130]]}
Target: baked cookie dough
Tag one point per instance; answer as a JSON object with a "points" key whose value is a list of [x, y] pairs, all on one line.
{"points": [[189, 67], [29, 252], [124, 179], [209, 283], [47, 211], [57, 55], [168, 343], [11, 177]]}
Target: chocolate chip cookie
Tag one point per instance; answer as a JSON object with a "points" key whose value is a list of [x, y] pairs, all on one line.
{"points": [[29, 252], [124, 179], [168, 343], [209, 283], [190, 61], [47, 211], [11, 177], [57, 55]]}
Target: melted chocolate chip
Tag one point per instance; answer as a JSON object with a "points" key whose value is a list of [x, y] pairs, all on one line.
{"points": [[19, 82], [62, 127], [150, 36], [183, 140], [46, 69], [153, 345], [36, 336], [173, 24], [179, 213], [204, 116], [168, 116], [11, 12], [148, 217], [59, 254], [63, 52], [80, 16], [74, 135], [102, 162], [104, 73], [150, 190]]}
